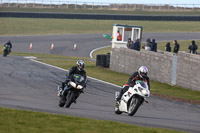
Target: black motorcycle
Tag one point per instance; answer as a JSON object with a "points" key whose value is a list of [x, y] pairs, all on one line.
{"points": [[72, 90], [6, 50]]}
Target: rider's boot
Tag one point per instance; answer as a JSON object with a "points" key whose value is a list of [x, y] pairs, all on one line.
{"points": [[119, 96], [60, 89]]}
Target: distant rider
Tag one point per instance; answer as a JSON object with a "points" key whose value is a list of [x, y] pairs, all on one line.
{"points": [[78, 69], [8, 44], [140, 75]]}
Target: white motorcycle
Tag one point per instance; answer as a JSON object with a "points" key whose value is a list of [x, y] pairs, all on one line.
{"points": [[132, 99]]}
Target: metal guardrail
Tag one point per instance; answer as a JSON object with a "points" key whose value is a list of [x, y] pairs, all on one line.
{"points": [[97, 5]]}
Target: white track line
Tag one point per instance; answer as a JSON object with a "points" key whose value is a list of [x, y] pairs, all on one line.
{"points": [[67, 70], [97, 49]]}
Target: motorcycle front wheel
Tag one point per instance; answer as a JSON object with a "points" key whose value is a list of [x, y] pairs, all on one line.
{"points": [[133, 106], [70, 99]]}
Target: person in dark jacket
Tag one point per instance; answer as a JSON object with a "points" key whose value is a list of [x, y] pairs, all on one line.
{"points": [[193, 47], [136, 45], [148, 44], [78, 69], [176, 46], [154, 45], [168, 47], [141, 74], [129, 43]]}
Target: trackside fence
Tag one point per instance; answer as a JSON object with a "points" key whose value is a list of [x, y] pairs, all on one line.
{"points": [[97, 5]]}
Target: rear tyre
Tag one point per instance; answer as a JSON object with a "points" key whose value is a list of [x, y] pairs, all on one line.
{"points": [[4, 53], [133, 106], [117, 111], [62, 101]]}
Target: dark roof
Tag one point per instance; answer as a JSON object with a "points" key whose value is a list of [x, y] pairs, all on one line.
{"points": [[127, 25]]}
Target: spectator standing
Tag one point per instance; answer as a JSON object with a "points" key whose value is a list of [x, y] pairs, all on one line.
{"points": [[129, 43], [136, 45], [154, 45], [148, 45], [176, 46], [193, 47], [168, 47]]}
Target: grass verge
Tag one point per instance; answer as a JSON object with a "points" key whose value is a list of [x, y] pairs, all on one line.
{"points": [[19, 121], [35, 26]]}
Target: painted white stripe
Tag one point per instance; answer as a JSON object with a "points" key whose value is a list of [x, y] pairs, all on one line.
{"points": [[97, 49], [67, 70], [30, 57]]}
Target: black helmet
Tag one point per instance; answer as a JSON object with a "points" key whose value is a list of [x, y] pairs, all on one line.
{"points": [[80, 65]]}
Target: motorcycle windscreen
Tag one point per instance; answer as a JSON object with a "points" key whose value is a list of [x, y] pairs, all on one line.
{"points": [[143, 84], [78, 78]]}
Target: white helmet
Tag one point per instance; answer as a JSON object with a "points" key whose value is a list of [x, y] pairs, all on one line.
{"points": [[143, 71], [80, 65]]}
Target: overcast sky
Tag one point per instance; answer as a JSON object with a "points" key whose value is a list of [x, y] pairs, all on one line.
{"points": [[196, 2], [141, 1]]}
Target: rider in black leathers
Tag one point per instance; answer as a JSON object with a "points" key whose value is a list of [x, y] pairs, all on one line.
{"points": [[9, 44], [79, 69], [140, 75]]}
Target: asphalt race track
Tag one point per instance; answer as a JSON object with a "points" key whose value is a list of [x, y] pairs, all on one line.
{"points": [[63, 44], [26, 84]]}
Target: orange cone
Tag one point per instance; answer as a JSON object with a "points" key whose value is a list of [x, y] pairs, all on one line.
{"points": [[52, 46], [75, 47], [31, 46]]}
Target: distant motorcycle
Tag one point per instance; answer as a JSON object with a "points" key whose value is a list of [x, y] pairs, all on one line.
{"points": [[6, 50], [73, 89], [132, 99]]}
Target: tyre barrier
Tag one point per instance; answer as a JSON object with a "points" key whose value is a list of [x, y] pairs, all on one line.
{"points": [[103, 60]]}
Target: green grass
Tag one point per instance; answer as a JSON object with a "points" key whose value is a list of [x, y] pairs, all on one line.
{"points": [[101, 51], [56, 10], [29, 26], [19, 121]]}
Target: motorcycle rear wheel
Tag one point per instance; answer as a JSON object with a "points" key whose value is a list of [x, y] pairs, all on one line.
{"points": [[5, 53], [117, 111], [62, 101]]}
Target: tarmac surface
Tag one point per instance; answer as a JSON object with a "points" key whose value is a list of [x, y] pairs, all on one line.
{"points": [[29, 85], [64, 44]]}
